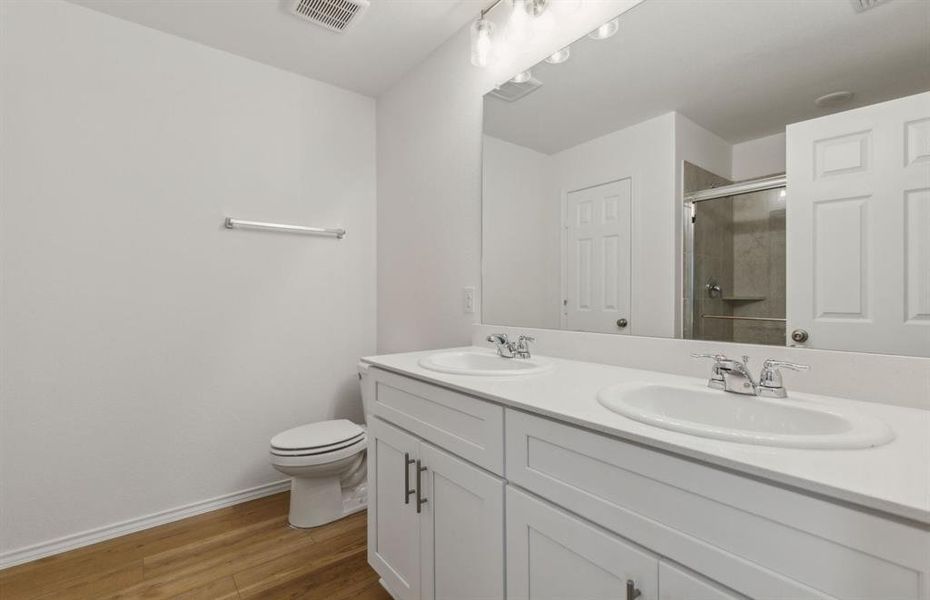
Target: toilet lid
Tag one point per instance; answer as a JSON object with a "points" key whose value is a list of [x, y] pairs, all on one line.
{"points": [[317, 435]]}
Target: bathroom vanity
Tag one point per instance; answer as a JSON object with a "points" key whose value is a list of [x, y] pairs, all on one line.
{"points": [[527, 487]]}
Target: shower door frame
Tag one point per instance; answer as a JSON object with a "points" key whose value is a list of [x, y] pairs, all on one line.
{"points": [[688, 297]]}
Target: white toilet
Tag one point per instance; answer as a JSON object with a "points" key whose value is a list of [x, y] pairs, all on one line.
{"points": [[326, 462]]}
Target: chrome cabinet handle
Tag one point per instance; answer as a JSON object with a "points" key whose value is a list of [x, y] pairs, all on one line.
{"points": [[420, 499], [407, 491], [631, 592]]}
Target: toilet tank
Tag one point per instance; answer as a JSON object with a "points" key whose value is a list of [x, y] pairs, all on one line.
{"points": [[365, 382]]}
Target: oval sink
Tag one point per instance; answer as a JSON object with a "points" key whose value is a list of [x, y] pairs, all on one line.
{"points": [[741, 418], [470, 362]]}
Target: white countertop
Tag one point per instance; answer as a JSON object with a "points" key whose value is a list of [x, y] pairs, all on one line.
{"points": [[894, 478]]}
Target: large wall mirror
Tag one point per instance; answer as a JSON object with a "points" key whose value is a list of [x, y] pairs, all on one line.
{"points": [[725, 170]]}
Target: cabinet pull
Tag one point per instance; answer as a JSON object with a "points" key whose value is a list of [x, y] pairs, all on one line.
{"points": [[631, 592], [407, 491], [420, 499]]}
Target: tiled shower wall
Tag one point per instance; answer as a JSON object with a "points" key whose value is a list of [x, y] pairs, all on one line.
{"points": [[740, 243]]}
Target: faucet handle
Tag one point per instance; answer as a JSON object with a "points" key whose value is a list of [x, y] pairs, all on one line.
{"points": [[771, 363], [716, 357], [770, 381], [523, 346]]}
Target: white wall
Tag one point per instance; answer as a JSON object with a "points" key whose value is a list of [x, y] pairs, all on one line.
{"points": [[521, 241], [148, 355], [429, 183], [760, 157], [523, 289], [645, 152]]}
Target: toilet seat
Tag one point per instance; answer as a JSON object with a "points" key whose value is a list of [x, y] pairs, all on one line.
{"points": [[318, 443]]}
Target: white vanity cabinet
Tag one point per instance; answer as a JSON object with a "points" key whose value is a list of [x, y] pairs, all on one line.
{"points": [[677, 584], [435, 521], [553, 555], [591, 516]]}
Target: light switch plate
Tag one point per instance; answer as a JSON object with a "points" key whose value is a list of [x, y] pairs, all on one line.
{"points": [[468, 300]]}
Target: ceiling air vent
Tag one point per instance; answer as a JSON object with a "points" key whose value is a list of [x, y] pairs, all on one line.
{"points": [[511, 91], [335, 15], [863, 5]]}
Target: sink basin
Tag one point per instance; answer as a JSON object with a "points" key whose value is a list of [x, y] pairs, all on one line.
{"points": [[471, 362], [748, 419]]}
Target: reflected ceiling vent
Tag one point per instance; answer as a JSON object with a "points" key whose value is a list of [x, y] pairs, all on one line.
{"points": [[863, 5], [335, 15], [512, 91]]}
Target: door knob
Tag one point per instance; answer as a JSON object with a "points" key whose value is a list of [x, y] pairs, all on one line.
{"points": [[631, 592], [799, 335], [621, 323]]}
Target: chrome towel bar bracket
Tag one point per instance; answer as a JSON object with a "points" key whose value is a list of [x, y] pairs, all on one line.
{"points": [[240, 224]]}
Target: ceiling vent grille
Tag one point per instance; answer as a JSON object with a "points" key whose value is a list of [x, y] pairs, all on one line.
{"points": [[863, 5], [335, 15], [511, 91]]}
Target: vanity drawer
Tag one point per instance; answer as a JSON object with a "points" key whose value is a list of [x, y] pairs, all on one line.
{"points": [[760, 539], [464, 425]]}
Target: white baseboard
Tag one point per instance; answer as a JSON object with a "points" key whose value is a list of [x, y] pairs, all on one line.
{"points": [[86, 538]]}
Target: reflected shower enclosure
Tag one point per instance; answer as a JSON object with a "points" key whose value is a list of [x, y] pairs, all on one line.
{"points": [[734, 259]]}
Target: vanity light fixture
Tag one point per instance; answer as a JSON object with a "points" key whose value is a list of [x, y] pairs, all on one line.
{"points": [[518, 30], [482, 48], [518, 26], [606, 30], [522, 77], [560, 56]]}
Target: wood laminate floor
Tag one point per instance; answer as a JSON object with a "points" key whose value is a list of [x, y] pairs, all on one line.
{"points": [[241, 552]]}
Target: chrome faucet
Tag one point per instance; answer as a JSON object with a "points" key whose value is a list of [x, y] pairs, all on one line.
{"points": [[505, 347], [734, 376], [508, 349]]}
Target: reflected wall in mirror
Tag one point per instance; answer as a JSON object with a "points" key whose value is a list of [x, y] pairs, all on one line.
{"points": [[734, 171]]}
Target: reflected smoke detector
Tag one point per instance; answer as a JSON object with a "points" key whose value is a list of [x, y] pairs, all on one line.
{"points": [[834, 99]]}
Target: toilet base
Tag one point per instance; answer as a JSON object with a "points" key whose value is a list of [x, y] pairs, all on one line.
{"points": [[322, 500]]}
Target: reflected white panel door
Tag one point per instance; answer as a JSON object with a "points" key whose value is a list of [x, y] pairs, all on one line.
{"points": [[858, 228], [596, 286], [677, 584], [462, 541], [393, 522], [552, 555]]}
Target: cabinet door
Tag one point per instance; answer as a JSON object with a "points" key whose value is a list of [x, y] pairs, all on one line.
{"points": [[393, 522], [554, 555], [676, 584], [462, 535]]}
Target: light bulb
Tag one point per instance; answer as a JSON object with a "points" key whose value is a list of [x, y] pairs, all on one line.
{"points": [[482, 48], [518, 27], [606, 30], [522, 77], [559, 57]]}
